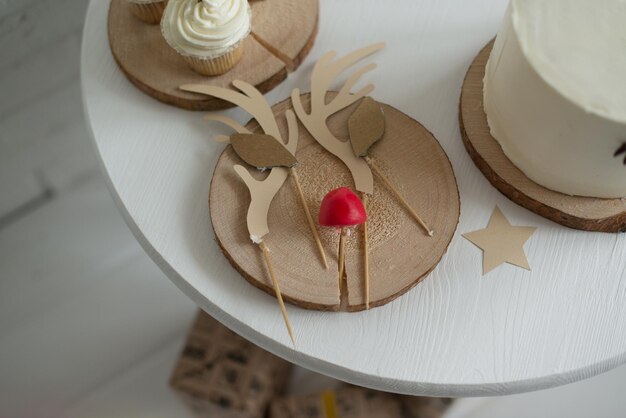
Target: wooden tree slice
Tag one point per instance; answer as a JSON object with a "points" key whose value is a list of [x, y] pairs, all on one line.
{"points": [[400, 253], [285, 39], [286, 31], [586, 213]]}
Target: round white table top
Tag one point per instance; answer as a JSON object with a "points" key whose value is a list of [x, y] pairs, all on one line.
{"points": [[457, 333]]}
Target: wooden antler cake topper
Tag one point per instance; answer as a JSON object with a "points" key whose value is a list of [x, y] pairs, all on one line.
{"points": [[324, 72], [262, 192], [349, 152], [265, 151]]}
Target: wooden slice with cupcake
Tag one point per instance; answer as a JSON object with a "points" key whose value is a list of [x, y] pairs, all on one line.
{"points": [[211, 42], [208, 34]]}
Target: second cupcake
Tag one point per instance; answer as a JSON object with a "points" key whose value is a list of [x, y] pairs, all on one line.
{"points": [[208, 34]]}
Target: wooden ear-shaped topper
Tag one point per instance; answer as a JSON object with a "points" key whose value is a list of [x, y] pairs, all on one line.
{"points": [[366, 126], [262, 151]]}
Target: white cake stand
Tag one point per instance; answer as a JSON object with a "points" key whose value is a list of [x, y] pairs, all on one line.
{"points": [[457, 333]]}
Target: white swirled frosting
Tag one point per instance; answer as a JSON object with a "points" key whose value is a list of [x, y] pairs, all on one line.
{"points": [[555, 93], [205, 28]]}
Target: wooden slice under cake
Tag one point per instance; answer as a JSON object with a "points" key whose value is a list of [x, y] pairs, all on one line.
{"points": [[400, 253], [283, 32], [586, 213]]}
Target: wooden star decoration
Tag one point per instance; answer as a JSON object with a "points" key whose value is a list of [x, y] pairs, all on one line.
{"points": [[501, 242]]}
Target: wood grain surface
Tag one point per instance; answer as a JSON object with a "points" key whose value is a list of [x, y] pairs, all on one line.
{"points": [[586, 213], [456, 333], [286, 28], [287, 31], [410, 155]]}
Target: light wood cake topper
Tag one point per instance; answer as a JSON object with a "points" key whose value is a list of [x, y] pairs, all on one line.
{"points": [[366, 125], [261, 109], [315, 121], [586, 213], [283, 32], [262, 191], [262, 151]]}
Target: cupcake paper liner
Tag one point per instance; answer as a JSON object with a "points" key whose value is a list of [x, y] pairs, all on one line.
{"points": [[216, 65]]}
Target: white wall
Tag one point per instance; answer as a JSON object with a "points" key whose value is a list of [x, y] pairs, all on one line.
{"points": [[43, 137]]}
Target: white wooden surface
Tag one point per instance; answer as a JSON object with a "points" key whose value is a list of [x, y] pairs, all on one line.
{"points": [[457, 333]]}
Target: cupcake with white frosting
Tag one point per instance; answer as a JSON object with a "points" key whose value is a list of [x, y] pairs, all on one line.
{"points": [[208, 34], [150, 11]]}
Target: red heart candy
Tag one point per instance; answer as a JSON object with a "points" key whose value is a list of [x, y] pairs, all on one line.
{"points": [[341, 207]]}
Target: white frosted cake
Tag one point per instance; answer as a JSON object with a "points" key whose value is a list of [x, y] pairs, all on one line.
{"points": [[555, 93]]}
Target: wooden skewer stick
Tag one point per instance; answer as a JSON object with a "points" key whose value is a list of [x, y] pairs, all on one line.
{"points": [[279, 296], [366, 257], [397, 194], [342, 254], [330, 404], [309, 218]]}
